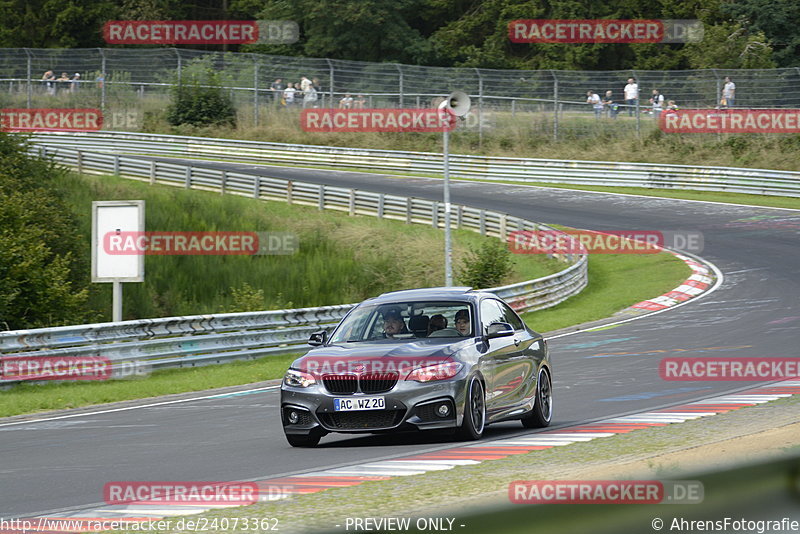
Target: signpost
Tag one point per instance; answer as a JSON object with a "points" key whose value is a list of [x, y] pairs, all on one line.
{"points": [[115, 217]]}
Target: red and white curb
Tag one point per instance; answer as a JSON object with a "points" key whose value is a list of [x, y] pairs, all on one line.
{"points": [[698, 283], [285, 487]]}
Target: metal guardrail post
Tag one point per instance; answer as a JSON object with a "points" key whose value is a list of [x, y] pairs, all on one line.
{"points": [[152, 173], [435, 214], [116, 165], [80, 162], [223, 179], [409, 205], [289, 188], [257, 186], [321, 197], [180, 66], [381, 199], [482, 222], [188, 178], [352, 204]]}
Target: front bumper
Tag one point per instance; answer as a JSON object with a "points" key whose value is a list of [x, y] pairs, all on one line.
{"points": [[409, 406]]}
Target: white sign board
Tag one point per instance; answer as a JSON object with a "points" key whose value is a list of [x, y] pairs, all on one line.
{"points": [[115, 216]]}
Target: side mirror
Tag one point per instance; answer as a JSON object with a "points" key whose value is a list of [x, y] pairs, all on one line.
{"points": [[498, 330], [318, 338]]}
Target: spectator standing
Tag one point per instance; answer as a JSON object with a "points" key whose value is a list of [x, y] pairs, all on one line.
{"points": [[277, 88], [63, 82], [359, 102], [594, 99], [310, 97], [289, 94], [100, 80], [657, 101], [631, 96], [75, 81], [49, 79], [305, 84], [671, 107], [611, 107], [728, 93], [346, 102]]}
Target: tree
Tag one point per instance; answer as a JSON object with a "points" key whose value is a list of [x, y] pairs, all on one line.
{"points": [[42, 266]]}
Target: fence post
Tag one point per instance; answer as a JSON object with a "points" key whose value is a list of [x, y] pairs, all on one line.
{"points": [[352, 206], [555, 105], [255, 95], [321, 197], [482, 222], [116, 165], [459, 216], [257, 187], [480, 107], [105, 81], [513, 107], [289, 189], [380, 205], [331, 105], [408, 210], [180, 67], [400, 84], [435, 214], [30, 75], [638, 103]]}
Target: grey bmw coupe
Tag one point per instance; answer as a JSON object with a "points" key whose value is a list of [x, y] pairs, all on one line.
{"points": [[424, 359]]}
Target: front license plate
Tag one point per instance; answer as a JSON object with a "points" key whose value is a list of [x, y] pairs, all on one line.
{"points": [[358, 403]]}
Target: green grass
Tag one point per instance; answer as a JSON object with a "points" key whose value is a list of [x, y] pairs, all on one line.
{"points": [[616, 281], [341, 259], [31, 398]]}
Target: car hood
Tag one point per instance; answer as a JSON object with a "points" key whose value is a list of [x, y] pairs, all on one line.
{"points": [[377, 357]]}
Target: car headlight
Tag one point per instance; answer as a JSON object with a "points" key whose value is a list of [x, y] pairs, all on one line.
{"points": [[440, 371], [298, 379]]}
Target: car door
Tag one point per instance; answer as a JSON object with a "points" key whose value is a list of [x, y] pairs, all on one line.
{"points": [[500, 362]]}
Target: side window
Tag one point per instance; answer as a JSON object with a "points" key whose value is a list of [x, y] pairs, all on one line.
{"points": [[491, 312], [511, 317]]}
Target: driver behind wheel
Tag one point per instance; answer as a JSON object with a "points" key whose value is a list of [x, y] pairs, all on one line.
{"points": [[393, 323]]}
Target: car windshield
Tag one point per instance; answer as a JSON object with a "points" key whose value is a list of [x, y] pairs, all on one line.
{"points": [[406, 321]]}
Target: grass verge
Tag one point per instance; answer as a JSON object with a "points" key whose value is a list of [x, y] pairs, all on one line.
{"points": [[30, 398], [442, 492]]}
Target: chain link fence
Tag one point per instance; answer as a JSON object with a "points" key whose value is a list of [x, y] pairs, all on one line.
{"points": [[125, 81]]}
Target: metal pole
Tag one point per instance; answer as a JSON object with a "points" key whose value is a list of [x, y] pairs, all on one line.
{"points": [[116, 307], [448, 249], [255, 95], [480, 107], [638, 101], [400, 90], [177, 53], [332, 103], [30, 74], [105, 81], [555, 105]]}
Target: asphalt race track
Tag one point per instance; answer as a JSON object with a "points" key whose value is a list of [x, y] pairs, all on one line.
{"points": [[64, 463]]}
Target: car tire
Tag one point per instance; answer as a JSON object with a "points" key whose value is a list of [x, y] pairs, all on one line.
{"points": [[542, 412], [303, 440], [474, 411]]}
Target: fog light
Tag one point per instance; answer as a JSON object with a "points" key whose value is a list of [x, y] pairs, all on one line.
{"points": [[443, 410], [294, 417]]}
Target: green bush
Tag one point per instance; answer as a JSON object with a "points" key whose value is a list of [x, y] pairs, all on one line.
{"points": [[43, 270], [486, 266], [201, 102]]}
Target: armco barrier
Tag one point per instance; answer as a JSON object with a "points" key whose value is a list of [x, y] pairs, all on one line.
{"points": [[207, 339], [655, 176]]}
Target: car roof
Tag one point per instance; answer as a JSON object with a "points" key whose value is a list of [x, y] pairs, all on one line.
{"points": [[461, 293]]}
